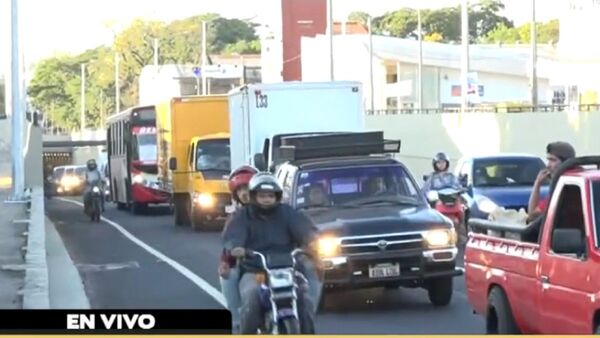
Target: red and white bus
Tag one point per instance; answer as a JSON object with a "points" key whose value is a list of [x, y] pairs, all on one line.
{"points": [[132, 159]]}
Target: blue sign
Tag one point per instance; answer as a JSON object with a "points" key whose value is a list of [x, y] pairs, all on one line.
{"points": [[197, 71]]}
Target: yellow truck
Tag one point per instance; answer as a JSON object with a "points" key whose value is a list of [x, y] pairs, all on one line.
{"points": [[194, 159]]}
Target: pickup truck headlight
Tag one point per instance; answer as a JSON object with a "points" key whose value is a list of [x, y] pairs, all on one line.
{"points": [[329, 246], [440, 238], [486, 205], [204, 200]]}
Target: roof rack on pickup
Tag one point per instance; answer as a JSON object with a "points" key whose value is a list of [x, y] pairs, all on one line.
{"points": [[304, 147]]}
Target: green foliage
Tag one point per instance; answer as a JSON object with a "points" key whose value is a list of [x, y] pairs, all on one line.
{"points": [[546, 33], [55, 87], [358, 16]]}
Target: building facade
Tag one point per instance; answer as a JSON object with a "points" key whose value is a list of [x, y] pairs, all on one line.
{"points": [[499, 74]]}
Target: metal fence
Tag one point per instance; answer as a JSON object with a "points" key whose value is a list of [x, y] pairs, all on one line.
{"points": [[486, 109]]}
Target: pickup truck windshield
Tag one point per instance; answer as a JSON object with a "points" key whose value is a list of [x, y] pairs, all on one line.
{"points": [[144, 148], [500, 172], [596, 201], [213, 158], [368, 185]]}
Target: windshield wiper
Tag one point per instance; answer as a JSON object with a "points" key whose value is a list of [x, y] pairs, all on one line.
{"points": [[383, 201]]}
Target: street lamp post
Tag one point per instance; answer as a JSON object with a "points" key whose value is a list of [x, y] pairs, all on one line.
{"points": [[82, 113], [533, 38], [204, 58], [330, 33], [420, 67], [465, 55], [17, 107]]}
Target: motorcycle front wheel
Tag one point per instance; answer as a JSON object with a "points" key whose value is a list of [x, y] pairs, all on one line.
{"points": [[291, 326]]}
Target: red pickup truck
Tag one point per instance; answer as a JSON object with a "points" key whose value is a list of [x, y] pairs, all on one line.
{"points": [[548, 283]]}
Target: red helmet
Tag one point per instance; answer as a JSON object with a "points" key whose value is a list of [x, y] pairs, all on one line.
{"points": [[240, 177]]}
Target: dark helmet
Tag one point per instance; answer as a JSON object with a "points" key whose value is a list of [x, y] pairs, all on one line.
{"points": [[440, 157], [240, 177], [91, 164], [264, 182], [563, 150]]}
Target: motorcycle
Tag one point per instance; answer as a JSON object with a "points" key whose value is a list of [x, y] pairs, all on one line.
{"points": [[94, 208], [449, 202], [279, 285]]}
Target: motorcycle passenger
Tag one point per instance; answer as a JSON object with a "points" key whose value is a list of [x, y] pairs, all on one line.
{"points": [[268, 226], [93, 178], [229, 272], [440, 177]]}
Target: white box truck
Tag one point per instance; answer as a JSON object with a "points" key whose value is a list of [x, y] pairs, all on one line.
{"points": [[260, 114]]}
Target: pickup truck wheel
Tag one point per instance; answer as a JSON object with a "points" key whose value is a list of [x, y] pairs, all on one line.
{"points": [[440, 291], [500, 319]]}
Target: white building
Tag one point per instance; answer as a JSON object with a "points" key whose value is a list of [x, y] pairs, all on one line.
{"points": [[502, 73]]}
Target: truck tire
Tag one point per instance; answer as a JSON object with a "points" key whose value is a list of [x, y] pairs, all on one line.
{"points": [[499, 318], [440, 291], [180, 209]]}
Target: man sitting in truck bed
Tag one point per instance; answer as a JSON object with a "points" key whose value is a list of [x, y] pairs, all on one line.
{"points": [[557, 153]]}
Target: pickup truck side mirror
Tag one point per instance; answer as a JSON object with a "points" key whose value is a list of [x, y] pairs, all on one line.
{"points": [[568, 241], [259, 162], [173, 163]]}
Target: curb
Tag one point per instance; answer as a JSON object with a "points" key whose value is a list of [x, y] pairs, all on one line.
{"points": [[35, 291]]}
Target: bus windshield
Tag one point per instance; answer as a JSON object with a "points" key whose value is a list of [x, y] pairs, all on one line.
{"points": [[144, 148], [212, 158]]}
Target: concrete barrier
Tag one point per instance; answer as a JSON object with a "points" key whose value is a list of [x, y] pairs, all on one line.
{"points": [[468, 134], [33, 160], [35, 291]]}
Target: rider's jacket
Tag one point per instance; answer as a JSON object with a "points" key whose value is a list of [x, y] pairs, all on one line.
{"points": [[441, 180]]}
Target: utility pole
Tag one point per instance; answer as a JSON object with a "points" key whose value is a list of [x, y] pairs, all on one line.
{"points": [[465, 55], [330, 33], [18, 107], [117, 85], [371, 81], [533, 38], [420, 67], [204, 58], [82, 114]]}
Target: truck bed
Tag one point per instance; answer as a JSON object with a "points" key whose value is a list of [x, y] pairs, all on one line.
{"points": [[514, 263]]}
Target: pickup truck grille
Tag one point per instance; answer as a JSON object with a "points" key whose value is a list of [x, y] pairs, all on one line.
{"points": [[383, 242]]}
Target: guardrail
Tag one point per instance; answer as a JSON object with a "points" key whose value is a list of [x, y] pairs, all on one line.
{"points": [[484, 109]]}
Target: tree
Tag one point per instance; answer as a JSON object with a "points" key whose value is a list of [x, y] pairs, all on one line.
{"points": [[433, 37], [55, 87], [358, 16], [546, 33]]}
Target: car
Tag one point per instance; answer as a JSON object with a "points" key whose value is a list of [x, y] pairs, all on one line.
{"points": [[72, 181], [542, 278], [375, 227], [503, 180]]}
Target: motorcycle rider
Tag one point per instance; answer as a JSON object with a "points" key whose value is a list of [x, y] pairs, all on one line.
{"points": [[441, 177], [93, 177], [268, 226], [229, 272]]}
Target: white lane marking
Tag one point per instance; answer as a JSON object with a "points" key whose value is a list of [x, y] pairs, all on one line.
{"points": [[201, 283]]}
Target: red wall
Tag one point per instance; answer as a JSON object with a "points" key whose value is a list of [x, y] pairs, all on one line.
{"points": [[300, 18]]}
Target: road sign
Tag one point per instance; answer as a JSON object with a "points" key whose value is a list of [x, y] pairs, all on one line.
{"points": [[197, 71], [224, 71]]}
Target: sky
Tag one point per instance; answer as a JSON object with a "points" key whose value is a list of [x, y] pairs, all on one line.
{"points": [[72, 26]]}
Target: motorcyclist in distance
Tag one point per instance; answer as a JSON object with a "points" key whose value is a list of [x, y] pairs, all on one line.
{"points": [[93, 177], [441, 177]]}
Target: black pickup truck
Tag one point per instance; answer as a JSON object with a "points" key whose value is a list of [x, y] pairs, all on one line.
{"points": [[376, 228]]}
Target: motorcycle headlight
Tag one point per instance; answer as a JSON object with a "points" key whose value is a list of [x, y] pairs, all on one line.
{"points": [[486, 205], [139, 179], [329, 246], [205, 200], [440, 238], [96, 190]]}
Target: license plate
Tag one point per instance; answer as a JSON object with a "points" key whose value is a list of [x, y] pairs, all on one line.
{"points": [[384, 270]]}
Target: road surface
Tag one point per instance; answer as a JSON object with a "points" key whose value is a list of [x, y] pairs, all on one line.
{"points": [[147, 262]]}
